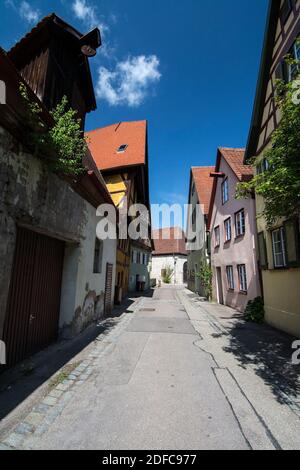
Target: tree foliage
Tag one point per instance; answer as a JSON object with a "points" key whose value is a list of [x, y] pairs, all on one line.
{"points": [[65, 141], [167, 274], [206, 275], [279, 182]]}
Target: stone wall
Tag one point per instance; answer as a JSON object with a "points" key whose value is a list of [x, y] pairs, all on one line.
{"points": [[34, 197]]}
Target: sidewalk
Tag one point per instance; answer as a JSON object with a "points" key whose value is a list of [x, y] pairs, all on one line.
{"points": [[258, 358], [27, 384]]}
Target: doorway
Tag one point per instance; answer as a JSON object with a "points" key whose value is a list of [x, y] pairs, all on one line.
{"points": [[32, 314]]}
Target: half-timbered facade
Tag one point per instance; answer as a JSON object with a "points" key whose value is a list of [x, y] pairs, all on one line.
{"points": [[279, 248]]}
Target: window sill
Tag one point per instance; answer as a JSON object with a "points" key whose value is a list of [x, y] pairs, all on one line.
{"points": [[227, 242], [243, 292], [238, 237], [231, 291]]}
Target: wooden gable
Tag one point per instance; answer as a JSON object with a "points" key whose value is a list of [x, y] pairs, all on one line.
{"points": [[283, 27]]}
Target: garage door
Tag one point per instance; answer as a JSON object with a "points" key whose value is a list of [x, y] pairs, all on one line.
{"points": [[32, 315]]}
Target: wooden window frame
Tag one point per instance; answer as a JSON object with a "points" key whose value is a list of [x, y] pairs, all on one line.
{"points": [[230, 278], [227, 240], [236, 216], [281, 230], [225, 184], [241, 281]]}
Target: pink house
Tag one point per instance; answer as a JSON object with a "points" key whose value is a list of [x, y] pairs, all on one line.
{"points": [[232, 225]]}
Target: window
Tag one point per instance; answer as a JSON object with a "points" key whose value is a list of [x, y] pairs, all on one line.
{"points": [[230, 278], [225, 191], [242, 277], [98, 254], [217, 237], [122, 148], [263, 166], [279, 252], [240, 227], [262, 251], [294, 68], [227, 226]]}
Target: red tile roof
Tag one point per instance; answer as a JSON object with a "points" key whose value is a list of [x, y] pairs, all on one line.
{"points": [[203, 184], [105, 142], [235, 159], [169, 241]]}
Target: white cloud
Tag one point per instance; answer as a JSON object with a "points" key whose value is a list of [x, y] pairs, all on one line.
{"points": [[129, 83], [25, 10], [87, 13], [30, 14]]}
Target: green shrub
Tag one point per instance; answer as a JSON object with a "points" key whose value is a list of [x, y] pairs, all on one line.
{"points": [[167, 274], [255, 311]]}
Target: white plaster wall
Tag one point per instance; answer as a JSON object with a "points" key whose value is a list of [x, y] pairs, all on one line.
{"points": [[79, 264], [175, 262]]}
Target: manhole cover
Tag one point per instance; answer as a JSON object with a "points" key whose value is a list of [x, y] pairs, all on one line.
{"points": [[147, 310]]}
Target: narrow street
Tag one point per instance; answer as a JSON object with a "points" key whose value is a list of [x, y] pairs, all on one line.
{"points": [[169, 375]]}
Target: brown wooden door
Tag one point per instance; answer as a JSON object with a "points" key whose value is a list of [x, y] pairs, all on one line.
{"points": [[32, 315], [108, 289]]}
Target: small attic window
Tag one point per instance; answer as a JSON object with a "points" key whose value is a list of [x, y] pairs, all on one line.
{"points": [[122, 148]]}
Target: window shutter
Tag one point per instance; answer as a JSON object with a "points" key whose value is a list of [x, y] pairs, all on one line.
{"points": [[292, 239], [262, 251]]}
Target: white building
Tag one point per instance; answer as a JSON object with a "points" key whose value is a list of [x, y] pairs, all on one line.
{"points": [[170, 254]]}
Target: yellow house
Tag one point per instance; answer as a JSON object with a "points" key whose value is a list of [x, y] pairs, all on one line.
{"points": [[279, 247], [121, 152]]}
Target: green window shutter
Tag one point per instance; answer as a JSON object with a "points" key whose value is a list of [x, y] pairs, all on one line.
{"points": [[262, 251], [292, 240]]}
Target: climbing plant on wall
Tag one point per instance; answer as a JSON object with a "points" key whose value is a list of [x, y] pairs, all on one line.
{"points": [[64, 140], [278, 169]]}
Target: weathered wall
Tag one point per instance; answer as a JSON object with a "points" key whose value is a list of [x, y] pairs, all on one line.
{"points": [[86, 294], [31, 195], [240, 250], [175, 262]]}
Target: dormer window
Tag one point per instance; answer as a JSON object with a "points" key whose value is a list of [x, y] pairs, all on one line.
{"points": [[122, 148]]}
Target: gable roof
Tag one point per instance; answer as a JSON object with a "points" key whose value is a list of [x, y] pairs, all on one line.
{"points": [[175, 244], [203, 184], [43, 32], [105, 142], [262, 84], [234, 157]]}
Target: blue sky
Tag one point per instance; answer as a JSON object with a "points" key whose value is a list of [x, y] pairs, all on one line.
{"points": [[190, 68]]}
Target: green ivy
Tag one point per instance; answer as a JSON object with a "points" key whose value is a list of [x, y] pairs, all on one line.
{"points": [[279, 183], [65, 140], [255, 311]]}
